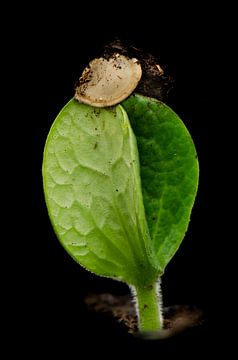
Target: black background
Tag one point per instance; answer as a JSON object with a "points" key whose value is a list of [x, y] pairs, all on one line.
{"points": [[49, 50]]}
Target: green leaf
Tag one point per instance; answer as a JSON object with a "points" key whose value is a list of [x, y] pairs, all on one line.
{"points": [[169, 172], [93, 192]]}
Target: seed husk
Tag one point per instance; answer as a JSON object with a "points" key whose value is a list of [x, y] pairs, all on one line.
{"points": [[106, 82]]}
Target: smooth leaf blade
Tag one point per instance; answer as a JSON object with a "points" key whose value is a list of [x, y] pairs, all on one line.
{"points": [[93, 192], [169, 172]]}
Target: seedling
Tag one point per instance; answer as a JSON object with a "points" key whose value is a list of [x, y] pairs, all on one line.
{"points": [[120, 182]]}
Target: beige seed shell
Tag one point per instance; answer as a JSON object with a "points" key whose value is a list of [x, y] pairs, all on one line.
{"points": [[106, 82]]}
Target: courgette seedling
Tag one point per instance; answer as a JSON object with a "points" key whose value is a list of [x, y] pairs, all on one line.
{"points": [[120, 175]]}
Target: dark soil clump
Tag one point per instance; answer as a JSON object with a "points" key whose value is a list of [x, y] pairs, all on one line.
{"points": [[155, 81]]}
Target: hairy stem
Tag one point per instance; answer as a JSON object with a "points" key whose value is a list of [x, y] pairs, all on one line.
{"points": [[149, 307]]}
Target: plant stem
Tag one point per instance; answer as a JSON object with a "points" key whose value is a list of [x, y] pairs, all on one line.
{"points": [[148, 305]]}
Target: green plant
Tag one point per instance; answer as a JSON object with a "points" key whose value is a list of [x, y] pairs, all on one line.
{"points": [[120, 183]]}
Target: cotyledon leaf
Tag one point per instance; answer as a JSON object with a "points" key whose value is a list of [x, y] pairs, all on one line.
{"points": [[169, 172], [93, 192]]}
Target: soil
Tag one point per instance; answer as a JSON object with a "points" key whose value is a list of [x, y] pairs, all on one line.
{"points": [[155, 81], [177, 318]]}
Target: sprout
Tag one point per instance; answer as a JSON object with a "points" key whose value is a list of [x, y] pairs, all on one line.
{"points": [[120, 182]]}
